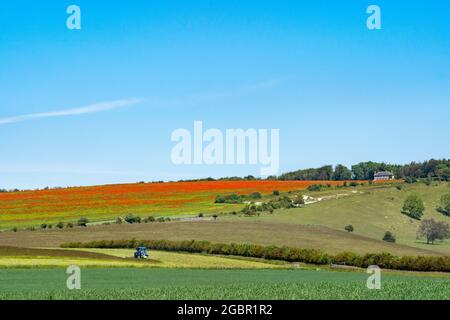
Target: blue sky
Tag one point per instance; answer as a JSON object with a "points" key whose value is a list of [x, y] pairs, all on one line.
{"points": [[108, 96]]}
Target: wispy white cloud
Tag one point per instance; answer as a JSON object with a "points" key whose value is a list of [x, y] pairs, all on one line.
{"points": [[200, 98], [96, 107]]}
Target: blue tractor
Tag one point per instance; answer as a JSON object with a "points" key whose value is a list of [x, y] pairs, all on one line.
{"points": [[141, 253]]}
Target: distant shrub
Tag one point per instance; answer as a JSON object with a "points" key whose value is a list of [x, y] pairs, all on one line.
{"points": [[49, 226], [353, 184], [255, 195], [349, 228], [276, 192], [149, 219], [120, 220], [215, 216], [82, 222], [167, 219], [410, 180], [14, 229], [399, 187], [299, 200], [389, 237], [44, 226], [130, 218], [160, 219], [231, 198], [69, 225], [315, 187], [413, 207], [60, 225], [200, 215]]}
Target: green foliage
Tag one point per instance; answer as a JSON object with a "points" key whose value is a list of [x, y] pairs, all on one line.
{"points": [[60, 225], [433, 230], [120, 220], [69, 225], [231, 198], [410, 180], [44, 226], [389, 237], [82, 222], [130, 218], [413, 207], [341, 172], [323, 173], [445, 204], [349, 228], [254, 196], [317, 187], [276, 192], [299, 200]]}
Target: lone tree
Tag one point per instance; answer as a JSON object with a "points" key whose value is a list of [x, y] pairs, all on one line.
{"points": [[433, 230], [413, 207], [349, 228], [445, 204]]}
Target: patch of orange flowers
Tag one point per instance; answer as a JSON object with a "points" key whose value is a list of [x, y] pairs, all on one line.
{"points": [[146, 196]]}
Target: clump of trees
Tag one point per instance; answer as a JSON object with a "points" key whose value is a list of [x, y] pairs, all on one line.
{"points": [[130, 218], [445, 204], [431, 169], [318, 187], [433, 230], [235, 198], [413, 207], [82, 222]]}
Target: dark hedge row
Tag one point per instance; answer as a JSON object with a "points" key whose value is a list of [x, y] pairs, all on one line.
{"points": [[312, 256]]}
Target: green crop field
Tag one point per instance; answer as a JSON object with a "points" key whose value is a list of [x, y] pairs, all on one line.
{"points": [[116, 258], [215, 284]]}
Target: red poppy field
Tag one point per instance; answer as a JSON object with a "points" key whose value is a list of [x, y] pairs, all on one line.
{"points": [[97, 203]]}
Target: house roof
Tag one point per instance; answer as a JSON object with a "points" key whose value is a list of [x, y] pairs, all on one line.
{"points": [[383, 173]]}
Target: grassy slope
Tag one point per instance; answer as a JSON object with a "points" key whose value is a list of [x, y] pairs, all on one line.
{"points": [[248, 231], [215, 284], [372, 214]]}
